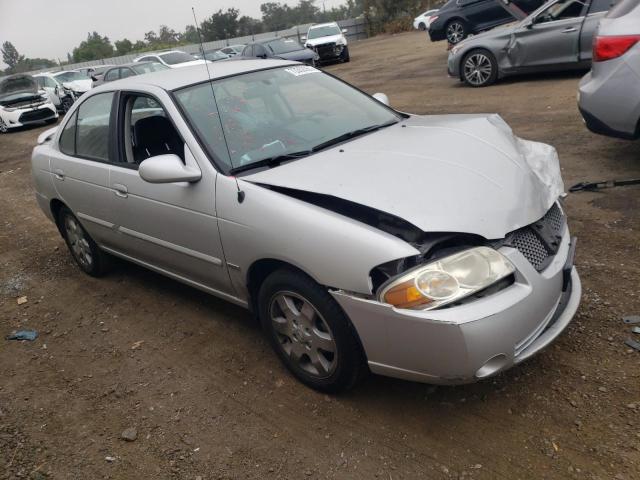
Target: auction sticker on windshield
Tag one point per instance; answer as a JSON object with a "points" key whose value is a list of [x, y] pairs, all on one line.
{"points": [[301, 70]]}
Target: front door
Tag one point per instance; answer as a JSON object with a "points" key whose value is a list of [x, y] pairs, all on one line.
{"points": [[170, 227], [80, 166], [553, 39]]}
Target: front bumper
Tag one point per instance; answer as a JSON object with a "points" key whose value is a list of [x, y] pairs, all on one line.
{"points": [[475, 340], [27, 116]]}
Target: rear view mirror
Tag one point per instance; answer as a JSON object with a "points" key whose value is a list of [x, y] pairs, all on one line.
{"points": [[167, 169], [382, 98]]}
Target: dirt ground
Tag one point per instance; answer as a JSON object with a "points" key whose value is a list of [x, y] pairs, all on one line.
{"points": [[208, 399]]}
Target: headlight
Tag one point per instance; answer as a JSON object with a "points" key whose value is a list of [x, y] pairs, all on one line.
{"points": [[341, 41], [447, 280]]}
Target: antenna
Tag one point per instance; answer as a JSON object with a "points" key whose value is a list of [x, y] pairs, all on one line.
{"points": [[241, 194]]}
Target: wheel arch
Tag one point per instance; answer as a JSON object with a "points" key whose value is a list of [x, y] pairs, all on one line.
{"points": [[469, 51], [56, 205]]}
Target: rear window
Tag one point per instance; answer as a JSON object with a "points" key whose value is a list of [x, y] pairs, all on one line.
{"points": [[622, 8], [173, 58]]}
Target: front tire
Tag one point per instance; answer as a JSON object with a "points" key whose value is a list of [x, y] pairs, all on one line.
{"points": [[346, 58], [479, 68], [309, 332], [422, 26], [83, 249], [3, 126], [456, 31]]}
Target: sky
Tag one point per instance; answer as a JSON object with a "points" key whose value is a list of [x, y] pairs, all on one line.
{"points": [[51, 28]]}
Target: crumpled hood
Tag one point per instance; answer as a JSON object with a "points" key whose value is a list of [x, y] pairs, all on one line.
{"points": [[79, 85], [445, 173], [16, 86], [322, 40]]}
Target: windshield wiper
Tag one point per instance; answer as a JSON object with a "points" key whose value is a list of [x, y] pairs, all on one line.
{"points": [[271, 162], [349, 135]]}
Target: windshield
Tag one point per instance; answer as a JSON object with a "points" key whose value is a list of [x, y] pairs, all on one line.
{"points": [[327, 31], [149, 67], [217, 55], [70, 76], [277, 112], [283, 46], [173, 58]]}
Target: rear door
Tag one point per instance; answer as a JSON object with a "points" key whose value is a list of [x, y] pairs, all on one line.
{"points": [[171, 227], [80, 166], [552, 41], [597, 10]]}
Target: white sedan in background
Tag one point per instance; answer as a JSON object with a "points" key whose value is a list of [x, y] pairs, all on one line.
{"points": [[172, 59], [422, 22]]}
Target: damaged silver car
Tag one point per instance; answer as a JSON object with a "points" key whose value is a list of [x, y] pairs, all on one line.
{"points": [[556, 37], [323, 215]]}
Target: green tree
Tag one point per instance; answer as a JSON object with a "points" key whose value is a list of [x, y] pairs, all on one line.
{"points": [[220, 25], [190, 34], [167, 36], [10, 55], [276, 16], [95, 47], [123, 46]]}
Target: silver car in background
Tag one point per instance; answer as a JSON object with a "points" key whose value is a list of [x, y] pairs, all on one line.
{"points": [[556, 37], [323, 215], [609, 95]]}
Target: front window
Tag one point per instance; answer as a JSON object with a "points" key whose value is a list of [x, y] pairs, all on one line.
{"points": [[70, 76], [278, 47], [327, 31], [149, 68], [266, 115], [173, 58]]}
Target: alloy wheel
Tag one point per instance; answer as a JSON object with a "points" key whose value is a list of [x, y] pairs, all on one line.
{"points": [[303, 334], [477, 69], [3, 126], [66, 104], [78, 241], [455, 32]]}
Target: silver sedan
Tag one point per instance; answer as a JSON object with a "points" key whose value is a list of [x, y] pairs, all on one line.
{"points": [[556, 37], [289, 192]]}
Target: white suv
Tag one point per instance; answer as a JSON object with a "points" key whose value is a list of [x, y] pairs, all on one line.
{"points": [[328, 41]]}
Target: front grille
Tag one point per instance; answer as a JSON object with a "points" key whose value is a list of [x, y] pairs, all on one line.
{"points": [[539, 242], [36, 115], [326, 50]]}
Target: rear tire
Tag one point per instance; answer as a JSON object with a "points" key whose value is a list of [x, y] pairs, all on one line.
{"points": [[456, 31], [3, 126], [83, 249], [422, 26], [309, 332], [479, 68]]}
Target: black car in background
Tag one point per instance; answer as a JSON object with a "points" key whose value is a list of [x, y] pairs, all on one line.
{"points": [[457, 19], [283, 48]]}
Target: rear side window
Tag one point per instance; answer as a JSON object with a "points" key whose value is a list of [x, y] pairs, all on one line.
{"points": [[68, 137], [622, 8], [111, 75], [92, 130], [600, 5]]}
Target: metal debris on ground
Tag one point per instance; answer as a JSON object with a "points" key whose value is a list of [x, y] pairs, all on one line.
{"points": [[629, 342], [592, 186], [631, 319], [29, 335]]}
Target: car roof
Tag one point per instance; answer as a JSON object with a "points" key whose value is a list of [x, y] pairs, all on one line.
{"points": [[131, 64], [328, 24], [269, 40], [173, 79]]}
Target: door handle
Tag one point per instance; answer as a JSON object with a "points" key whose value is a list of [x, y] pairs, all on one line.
{"points": [[569, 30], [120, 190], [59, 174]]}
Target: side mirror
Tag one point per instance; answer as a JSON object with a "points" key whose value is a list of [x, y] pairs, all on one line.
{"points": [[167, 169], [344, 30], [382, 98], [303, 38]]}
